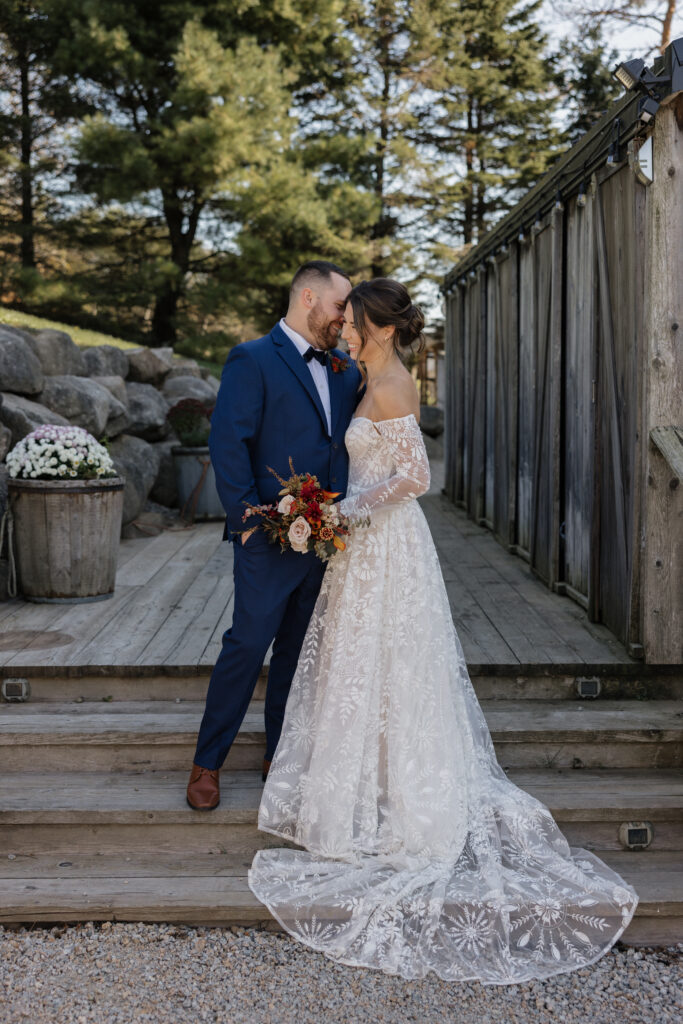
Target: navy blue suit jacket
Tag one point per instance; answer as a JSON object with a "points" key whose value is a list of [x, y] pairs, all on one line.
{"points": [[267, 410]]}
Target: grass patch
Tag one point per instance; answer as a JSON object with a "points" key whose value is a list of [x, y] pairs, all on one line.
{"points": [[83, 337]]}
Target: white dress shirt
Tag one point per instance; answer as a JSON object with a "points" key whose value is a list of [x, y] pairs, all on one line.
{"points": [[318, 372]]}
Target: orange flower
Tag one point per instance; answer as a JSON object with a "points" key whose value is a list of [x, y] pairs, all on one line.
{"points": [[339, 544]]}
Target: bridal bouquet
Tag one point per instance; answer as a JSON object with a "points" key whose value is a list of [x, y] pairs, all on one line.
{"points": [[305, 518]]}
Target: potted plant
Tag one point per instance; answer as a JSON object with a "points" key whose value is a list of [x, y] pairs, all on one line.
{"points": [[66, 502], [190, 419]]}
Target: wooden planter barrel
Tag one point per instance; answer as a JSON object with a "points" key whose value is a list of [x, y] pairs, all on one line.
{"points": [[196, 481], [67, 537]]}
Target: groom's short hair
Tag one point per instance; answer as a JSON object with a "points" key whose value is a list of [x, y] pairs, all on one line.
{"points": [[315, 271]]}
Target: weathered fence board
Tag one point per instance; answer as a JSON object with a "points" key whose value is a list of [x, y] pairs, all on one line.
{"points": [[527, 392], [662, 491], [564, 353], [579, 398]]}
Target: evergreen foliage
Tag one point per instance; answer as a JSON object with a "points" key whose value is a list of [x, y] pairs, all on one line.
{"points": [[167, 165]]}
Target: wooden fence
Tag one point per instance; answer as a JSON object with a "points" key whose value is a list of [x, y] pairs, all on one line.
{"points": [[564, 411]]}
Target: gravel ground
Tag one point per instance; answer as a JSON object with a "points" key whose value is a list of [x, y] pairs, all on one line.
{"points": [[171, 974]]}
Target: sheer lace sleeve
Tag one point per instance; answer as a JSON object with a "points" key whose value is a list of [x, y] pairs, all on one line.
{"points": [[402, 437]]}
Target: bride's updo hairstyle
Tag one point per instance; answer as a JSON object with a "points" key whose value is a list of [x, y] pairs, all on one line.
{"points": [[386, 303]]}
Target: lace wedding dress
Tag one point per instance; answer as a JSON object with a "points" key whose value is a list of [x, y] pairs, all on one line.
{"points": [[420, 854]]}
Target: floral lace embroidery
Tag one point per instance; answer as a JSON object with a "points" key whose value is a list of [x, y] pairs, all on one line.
{"points": [[419, 853]]}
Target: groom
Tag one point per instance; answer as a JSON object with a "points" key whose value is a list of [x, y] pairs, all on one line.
{"points": [[281, 395]]}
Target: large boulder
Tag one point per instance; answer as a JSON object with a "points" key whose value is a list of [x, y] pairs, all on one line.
{"points": [[149, 365], [184, 368], [206, 373], [5, 441], [106, 361], [137, 462], [147, 409], [4, 477], [165, 489], [118, 419], [20, 368], [57, 353], [116, 386], [431, 420], [177, 388], [213, 383], [4, 562], [22, 415], [83, 401]]}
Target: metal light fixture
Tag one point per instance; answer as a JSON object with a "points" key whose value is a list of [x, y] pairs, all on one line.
{"points": [[581, 198], [630, 72], [647, 108], [665, 78]]}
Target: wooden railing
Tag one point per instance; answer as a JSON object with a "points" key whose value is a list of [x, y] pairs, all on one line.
{"points": [[564, 343]]}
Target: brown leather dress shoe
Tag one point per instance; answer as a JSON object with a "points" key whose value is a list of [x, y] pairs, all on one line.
{"points": [[266, 769], [203, 791]]}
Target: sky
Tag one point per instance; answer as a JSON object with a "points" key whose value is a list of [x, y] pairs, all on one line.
{"points": [[628, 41]]}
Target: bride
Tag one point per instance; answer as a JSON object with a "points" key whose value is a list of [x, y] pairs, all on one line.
{"points": [[419, 854]]}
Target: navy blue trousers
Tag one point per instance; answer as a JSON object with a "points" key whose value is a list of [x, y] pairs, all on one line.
{"points": [[275, 594]]}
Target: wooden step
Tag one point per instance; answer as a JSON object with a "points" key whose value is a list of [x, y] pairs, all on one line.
{"points": [[546, 682], [117, 813], [132, 735], [210, 889]]}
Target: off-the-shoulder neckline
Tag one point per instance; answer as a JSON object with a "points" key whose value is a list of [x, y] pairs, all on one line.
{"points": [[394, 419]]}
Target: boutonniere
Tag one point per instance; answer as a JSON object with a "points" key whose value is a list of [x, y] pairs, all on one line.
{"points": [[338, 364]]}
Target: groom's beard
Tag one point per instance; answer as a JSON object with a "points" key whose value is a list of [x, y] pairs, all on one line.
{"points": [[324, 331]]}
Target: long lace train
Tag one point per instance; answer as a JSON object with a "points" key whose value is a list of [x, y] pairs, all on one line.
{"points": [[419, 853]]}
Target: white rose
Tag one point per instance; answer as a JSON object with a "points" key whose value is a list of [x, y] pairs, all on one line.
{"points": [[285, 505], [299, 532]]}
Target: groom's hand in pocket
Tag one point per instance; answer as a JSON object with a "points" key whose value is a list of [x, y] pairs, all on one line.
{"points": [[247, 535]]}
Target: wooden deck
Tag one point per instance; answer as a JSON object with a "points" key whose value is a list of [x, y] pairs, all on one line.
{"points": [[93, 766], [174, 596]]}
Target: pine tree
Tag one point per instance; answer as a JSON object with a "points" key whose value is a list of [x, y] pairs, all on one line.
{"points": [[492, 121], [35, 104], [587, 84], [187, 107], [441, 116], [364, 130]]}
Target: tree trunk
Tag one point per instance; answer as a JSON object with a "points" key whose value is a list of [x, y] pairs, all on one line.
{"points": [[164, 330], [468, 203], [28, 255], [379, 230], [163, 318], [666, 26]]}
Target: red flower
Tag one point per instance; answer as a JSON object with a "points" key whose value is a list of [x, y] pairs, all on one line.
{"points": [[338, 364]]}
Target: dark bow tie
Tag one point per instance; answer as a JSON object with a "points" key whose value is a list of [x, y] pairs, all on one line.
{"points": [[315, 353]]}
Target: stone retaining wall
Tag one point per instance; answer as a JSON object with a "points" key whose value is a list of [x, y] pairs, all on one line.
{"points": [[121, 394]]}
